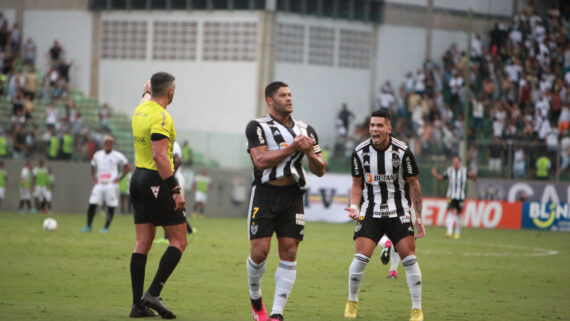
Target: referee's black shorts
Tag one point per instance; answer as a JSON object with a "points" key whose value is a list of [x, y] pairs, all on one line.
{"points": [[152, 201], [276, 209]]}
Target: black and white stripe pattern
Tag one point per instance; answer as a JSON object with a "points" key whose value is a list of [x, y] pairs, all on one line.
{"points": [[277, 136], [457, 182], [385, 191]]}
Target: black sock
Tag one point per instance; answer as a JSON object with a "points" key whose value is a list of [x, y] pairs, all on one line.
{"points": [[91, 213], [167, 264], [21, 207], [138, 264], [110, 214], [29, 203]]}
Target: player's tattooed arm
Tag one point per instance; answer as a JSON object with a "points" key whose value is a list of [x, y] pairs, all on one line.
{"points": [[416, 194]]}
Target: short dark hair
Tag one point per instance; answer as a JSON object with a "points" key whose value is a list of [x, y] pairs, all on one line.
{"points": [[272, 88], [381, 113], [160, 83]]}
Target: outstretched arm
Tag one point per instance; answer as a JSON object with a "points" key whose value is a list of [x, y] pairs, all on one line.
{"points": [[436, 174]]}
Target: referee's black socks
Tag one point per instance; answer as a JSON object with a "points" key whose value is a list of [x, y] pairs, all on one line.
{"points": [[138, 264], [167, 264], [91, 213]]}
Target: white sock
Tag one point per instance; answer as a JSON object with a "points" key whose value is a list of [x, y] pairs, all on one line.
{"points": [[394, 259], [449, 222], [414, 278], [382, 242], [284, 279], [254, 274], [457, 224], [355, 275]]}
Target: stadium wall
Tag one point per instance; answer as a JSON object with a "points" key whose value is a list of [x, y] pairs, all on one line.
{"points": [[229, 196]]}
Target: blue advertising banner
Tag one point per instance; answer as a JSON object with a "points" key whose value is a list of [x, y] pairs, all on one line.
{"points": [[546, 216]]}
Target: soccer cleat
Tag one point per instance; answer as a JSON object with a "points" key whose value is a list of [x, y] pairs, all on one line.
{"points": [[417, 315], [276, 317], [448, 235], [258, 310], [86, 229], [33, 211], [392, 275], [104, 230], [385, 254], [351, 309], [456, 236], [139, 311], [156, 304]]}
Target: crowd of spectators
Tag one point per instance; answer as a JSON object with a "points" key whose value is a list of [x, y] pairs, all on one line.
{"points": [[519, 81], [63, 134]]}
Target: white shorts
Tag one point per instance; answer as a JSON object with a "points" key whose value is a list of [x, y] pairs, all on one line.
{"points": [[2, 193], [200, 197], [25, 194], [42, 193], [108, 193]]}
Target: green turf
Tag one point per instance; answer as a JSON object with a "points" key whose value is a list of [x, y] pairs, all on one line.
{"points": [[66, 275]]}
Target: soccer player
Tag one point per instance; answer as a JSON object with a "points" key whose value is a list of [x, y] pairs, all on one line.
{"points": [[3, 179], [26, 189], [385, 184], [40, 182], [155, 194], [277, 144], [50, 187], [105, 167], [457, 176], [124, 192], [202, 185], [388, 255]]}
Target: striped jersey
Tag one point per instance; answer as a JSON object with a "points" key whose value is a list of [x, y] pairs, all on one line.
{"points": [[385, 190], [457, 182], [268, 131]]}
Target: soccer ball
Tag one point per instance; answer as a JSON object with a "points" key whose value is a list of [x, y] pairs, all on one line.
{"points": [[50, 224]]}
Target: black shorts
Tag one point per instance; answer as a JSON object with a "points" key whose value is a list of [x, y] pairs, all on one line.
{"points": [[276, 209], [395, 228], [455, 204], [152, 201]]}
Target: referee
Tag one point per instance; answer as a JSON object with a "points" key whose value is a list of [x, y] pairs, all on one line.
{"points": [[155, 194]]}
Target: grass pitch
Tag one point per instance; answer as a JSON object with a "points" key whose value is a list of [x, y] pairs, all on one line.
{"points": [[487, 275]]}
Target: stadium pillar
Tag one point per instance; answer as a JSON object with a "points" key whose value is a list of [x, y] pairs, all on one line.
{"points": [[467, 76], [266, 60], [429, 28], [95, 44]]}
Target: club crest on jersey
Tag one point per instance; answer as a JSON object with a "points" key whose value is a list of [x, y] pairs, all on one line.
{"points": [[155, 190], [395, 160], [253, 228]]}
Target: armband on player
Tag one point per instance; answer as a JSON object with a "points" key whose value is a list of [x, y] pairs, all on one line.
{"points": [[171, 182]]}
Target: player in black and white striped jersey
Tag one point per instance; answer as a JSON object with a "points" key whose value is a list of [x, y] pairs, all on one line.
{"points": [[277, 144], [457, 176], [385, 184]]}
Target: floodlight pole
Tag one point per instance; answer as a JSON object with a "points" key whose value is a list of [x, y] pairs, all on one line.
{"points": [[467, 89]]}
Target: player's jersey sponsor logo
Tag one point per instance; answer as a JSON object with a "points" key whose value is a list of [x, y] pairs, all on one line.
{"points": [[155, 190], [409, 166], [405, 219], [371, 178], [356, 169], [260, 135], [283, 145], [253, 228]]}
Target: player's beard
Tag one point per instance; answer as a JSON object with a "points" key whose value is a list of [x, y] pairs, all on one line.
{"points": [[282, 109]]}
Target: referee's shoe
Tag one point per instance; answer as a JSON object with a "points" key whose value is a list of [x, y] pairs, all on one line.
{"points": [[156, 303], [140, 311]]}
